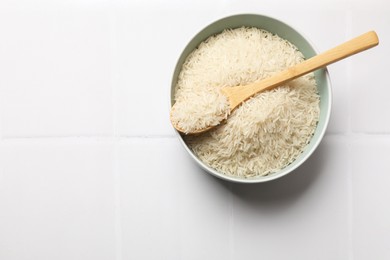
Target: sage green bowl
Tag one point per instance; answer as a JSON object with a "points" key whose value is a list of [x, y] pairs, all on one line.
{"points": [[304, 45]]}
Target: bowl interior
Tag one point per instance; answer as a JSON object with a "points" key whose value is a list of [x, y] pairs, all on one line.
{"points": [[287, 32]]}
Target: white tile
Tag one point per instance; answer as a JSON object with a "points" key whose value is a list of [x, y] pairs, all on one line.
{"points": [[270, 7], [301, 216], [369, 88], [56, 201], [169, 202], [368, 5], [50, 5], [55, 63], [371, 213]]}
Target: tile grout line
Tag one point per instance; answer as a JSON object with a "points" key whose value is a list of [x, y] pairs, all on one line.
{"points": [[98, 138], [123, 138]]}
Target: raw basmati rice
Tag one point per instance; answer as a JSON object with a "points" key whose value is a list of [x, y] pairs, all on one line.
{"points": [[268, 131]]}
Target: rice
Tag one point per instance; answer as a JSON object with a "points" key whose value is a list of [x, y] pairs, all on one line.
{"points": [[211, 108], [267, 132]]}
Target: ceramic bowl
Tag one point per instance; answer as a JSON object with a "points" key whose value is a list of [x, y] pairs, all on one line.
{"points": [[304, 45]]}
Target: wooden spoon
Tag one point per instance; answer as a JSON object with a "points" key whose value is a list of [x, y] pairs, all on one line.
{"points": [[238, 94]]}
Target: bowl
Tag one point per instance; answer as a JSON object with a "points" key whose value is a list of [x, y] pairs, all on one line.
{"points": [[287, 32]]}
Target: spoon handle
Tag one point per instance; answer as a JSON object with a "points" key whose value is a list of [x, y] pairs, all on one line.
{"points": [[363, 42]]}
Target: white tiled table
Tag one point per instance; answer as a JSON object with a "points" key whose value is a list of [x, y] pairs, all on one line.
{"points": [[88, 170]]}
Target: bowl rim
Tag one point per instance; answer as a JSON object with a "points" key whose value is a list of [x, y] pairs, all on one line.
{"points": [[282, 172]]}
